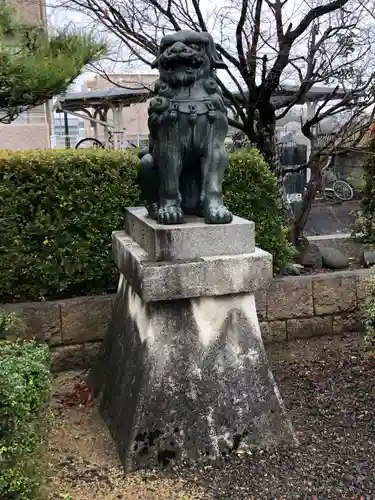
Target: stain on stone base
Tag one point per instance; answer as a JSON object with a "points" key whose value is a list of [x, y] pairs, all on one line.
{"points": [[186, 381]]}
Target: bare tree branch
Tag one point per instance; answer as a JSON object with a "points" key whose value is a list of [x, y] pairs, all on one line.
{"points": [[269, 46], [239, 42]]}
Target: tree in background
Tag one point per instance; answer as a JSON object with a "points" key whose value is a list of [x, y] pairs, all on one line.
{"points": [[354, 114], [34, 66], [364, 227], [265, 44]]}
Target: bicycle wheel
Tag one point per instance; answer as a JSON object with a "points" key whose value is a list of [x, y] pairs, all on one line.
{"points": [[89, 142], [343, 191]]}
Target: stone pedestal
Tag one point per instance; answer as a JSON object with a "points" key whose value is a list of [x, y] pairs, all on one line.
{"points": [[182, 375]]}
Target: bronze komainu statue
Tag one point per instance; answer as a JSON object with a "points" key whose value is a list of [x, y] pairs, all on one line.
{"points": [[182, 170]]}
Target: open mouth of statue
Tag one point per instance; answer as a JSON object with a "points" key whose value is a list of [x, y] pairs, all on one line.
{"points": [[182, 64]]}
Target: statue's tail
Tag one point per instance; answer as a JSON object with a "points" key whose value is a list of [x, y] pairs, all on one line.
{"points": [[148, 182], [148, 150], [143, 152]]}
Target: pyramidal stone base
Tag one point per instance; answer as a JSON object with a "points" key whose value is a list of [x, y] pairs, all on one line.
{"points": [[185, 380]]}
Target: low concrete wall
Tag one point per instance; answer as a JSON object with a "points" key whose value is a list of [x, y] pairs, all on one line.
{"points": [[290, 308], [307, 306]]}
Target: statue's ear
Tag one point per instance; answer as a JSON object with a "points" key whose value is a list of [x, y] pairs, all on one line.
{"points": [[216, 61]]}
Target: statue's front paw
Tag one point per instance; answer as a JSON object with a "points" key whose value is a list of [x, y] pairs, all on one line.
{"points": [[170, 215], [218, 215]]}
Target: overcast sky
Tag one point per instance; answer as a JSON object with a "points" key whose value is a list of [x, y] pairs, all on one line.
{"points": [[292, 12], [60, 17]]}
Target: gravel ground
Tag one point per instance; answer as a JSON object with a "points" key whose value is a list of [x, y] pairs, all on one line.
{"points": [[328, 386]]}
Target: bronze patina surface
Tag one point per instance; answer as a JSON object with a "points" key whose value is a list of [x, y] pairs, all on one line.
{"points": [[182, 170]]}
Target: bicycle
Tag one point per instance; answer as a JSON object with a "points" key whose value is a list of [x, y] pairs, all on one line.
{"points": [[331, 185], [93, 142], [89, 142]]}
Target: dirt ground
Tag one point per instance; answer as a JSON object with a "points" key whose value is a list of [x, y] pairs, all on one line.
{"points": [[81, 460], [328, 386]]}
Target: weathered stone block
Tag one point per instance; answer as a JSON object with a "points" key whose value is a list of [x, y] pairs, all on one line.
{"points": [[334, 293], [273, 331], [362, 277], [348, 322], [310, 256], [192, 240], [309, 327], [261, 303], [368, 258], [333, 258], [85, 319], [186, 380], [208, 276], [74, 357], [289, 298], [42, 320]]}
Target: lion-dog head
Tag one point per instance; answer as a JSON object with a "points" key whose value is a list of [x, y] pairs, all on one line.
{"points": [[185, 57]]}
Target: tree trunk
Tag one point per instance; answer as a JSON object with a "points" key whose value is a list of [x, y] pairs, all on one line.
{"points": [[266, 128], [309, 196], [315, 164]]}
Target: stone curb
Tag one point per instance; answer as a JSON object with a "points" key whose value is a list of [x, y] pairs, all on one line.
{"points": [[289, 308]]}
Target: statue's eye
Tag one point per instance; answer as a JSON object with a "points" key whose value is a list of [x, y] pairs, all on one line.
{"points": [[195, 46]]}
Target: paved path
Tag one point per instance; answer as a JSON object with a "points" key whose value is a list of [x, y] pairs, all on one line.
{"points": [[331, 219]]}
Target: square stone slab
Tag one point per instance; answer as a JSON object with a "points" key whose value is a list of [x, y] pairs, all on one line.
{"points": [[203, 277], [192, 240]]}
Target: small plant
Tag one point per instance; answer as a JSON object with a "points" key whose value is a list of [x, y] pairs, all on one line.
{"points": [[10, 325], [369, 342], [358, 183], [25, 384]]}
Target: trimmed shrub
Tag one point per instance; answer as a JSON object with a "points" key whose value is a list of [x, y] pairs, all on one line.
{"points": [[56, 217], [11, 326], [25, 384], [59, 208], [250, 190]]}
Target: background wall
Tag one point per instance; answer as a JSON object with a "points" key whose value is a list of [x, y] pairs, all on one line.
{"points": [[289, 308]]}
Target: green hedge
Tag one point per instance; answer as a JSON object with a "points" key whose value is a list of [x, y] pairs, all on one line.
{"points": [[59, 208], [364, 226], [250, 191], [25, 384]]}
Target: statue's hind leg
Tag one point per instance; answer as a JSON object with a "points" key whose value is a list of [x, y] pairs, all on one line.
{"points": [[148, 181]]}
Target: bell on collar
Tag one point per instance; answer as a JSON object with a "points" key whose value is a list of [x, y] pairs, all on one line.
{"points": [[193, 113], [173, 112]]}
